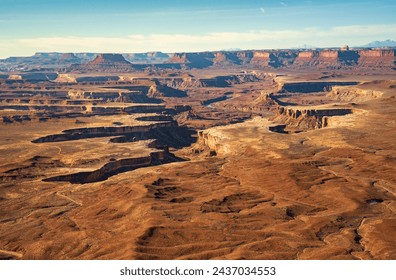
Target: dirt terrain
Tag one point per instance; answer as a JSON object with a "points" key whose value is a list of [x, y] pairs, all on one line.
{"points": [[226, 155]]}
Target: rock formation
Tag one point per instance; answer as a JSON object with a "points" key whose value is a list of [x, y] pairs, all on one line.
{"points": [[105, 63], [68, 58], [108, 59], [217, 81], [155, 61], [300, 118], [377, 58], [227, 58], [34, 77], [355, 94], [115, 167], [261, 58], [309, 87], [194, 60], [160, 90], [306, 58], [330, 59]]}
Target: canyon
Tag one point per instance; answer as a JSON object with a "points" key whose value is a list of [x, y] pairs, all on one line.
{"points": [[258, 154]]}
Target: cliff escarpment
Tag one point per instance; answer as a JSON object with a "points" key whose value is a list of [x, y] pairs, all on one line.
{"points": [[217, 81], [335, 58], [325, 58], [116, 167], [194, 60], [94, 132], [296, 119], [353, 94], [310, 87], [214, 142], [377, 58]]}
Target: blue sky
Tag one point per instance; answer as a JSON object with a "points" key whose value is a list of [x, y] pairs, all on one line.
{"points": [[28, 26]]}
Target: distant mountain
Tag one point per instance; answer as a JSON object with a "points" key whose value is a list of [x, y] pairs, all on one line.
{"points": [[305, 47], [149, 57], [381, 44], [231, 50]]}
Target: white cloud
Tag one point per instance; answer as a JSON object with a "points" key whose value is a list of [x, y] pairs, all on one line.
{"points": [[255, 39]]}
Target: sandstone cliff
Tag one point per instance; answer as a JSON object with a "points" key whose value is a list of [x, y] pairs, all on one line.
{"points": [[160, 90], [226, 59], [261, 58], [326, 59], [68, 58], [377, 58], [218, 81], [193, 60], [353, 94], [306, 58], [105, 63], [343, 58], [105, 59], [296, 119]]}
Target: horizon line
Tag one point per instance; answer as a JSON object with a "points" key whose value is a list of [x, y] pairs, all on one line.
{"points": [[351, 48]]}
